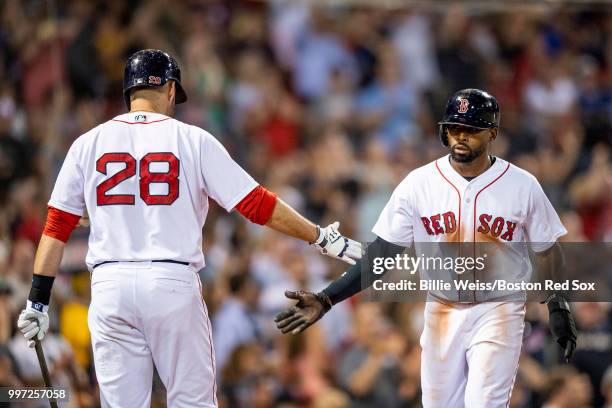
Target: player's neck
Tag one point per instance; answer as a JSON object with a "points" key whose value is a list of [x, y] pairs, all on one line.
{"points": [[145, 105], [474, 168]]}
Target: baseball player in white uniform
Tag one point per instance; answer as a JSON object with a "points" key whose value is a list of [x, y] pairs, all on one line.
{"points": [[145, 180], [471, 340]]}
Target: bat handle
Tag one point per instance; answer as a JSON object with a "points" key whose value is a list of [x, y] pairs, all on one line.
{"points": [[43, 367]]}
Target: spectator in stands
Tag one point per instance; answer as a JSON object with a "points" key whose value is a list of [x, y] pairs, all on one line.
{"points": [[567, 389], [369, 369], [606, 387], [235, 323], [593, 352]]}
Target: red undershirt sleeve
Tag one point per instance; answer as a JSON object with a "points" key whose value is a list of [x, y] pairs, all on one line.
{"points": [[258, 205], [60, 224]]}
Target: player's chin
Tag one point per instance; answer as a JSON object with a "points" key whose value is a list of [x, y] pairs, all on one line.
{"points": [[462, 156]]}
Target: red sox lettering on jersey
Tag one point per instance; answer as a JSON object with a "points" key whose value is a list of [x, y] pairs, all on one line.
{"points": [[488, 224]]}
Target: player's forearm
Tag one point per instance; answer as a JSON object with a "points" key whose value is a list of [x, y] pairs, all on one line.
{"points": [[550, 264], [48, 256], [47, 261], [287, 221], [359, 276]]}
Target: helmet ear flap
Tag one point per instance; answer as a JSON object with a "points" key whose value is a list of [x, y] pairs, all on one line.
{"points": [[442, 135]]}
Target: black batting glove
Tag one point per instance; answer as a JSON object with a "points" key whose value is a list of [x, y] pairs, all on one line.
{"points": [[562, 324], [309, 308]]}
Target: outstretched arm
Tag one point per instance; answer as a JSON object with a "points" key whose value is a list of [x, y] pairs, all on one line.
{"points": [[265, 208], [286, 220], [312, 306]]}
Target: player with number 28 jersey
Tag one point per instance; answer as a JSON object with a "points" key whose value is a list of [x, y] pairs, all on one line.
{"points": [[145, 179], [142, 169]]}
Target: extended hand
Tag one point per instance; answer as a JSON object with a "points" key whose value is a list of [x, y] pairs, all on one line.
{"points": [[562, 325], [332, 243], [309, 308], [32, 323]]}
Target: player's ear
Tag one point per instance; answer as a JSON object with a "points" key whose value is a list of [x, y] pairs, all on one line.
{"points": [[171, 90], [493, 134]]}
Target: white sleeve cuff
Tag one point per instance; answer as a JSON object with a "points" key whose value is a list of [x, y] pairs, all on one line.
{"points": [[543, 246]]}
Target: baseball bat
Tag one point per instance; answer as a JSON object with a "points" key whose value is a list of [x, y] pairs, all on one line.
{"points": [[45, 371]]}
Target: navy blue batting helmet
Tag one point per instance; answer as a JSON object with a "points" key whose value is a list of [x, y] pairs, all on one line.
{"points": [[469, 107], [151, 68]]}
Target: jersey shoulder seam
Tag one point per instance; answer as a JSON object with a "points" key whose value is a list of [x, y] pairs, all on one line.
{"points": [[83, 138], [420, 173], [520, 171]]}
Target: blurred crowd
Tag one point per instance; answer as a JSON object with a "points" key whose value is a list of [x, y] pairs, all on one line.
{"points": [[330, 107]]}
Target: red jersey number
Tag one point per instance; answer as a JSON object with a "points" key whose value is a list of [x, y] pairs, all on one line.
{"points": [[170, 177], [127, 172], [147, 177]]}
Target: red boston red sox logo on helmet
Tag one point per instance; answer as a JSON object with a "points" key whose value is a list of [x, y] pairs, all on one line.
{"points": [[155, 80], [463, 105]]}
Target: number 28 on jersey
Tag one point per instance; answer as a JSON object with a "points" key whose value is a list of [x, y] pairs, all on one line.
{"points": [[146, 177]]}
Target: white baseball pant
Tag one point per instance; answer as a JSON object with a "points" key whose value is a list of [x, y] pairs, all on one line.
{"points": [[470, 353], [145, 313]]}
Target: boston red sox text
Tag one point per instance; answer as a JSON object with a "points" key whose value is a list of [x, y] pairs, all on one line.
{"points": [[496, 285]]}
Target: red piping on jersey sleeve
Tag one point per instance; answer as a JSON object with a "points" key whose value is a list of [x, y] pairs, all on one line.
{"points": [[60, 224], [258, 205]]}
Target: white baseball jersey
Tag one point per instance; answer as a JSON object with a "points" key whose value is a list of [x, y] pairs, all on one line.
{"points": [[471, 348], [144, 179], [505, 204]]}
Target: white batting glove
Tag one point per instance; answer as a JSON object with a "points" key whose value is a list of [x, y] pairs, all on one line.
{"points": [[33, 322], [332, 243]]}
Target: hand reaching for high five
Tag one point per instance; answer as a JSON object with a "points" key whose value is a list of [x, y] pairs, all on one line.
{"points": [[332, 243], [309, 308]]}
